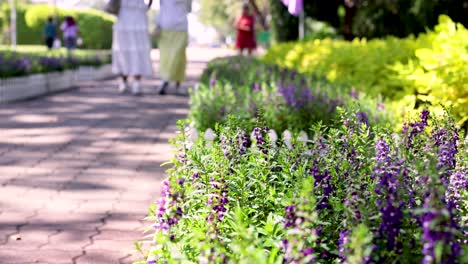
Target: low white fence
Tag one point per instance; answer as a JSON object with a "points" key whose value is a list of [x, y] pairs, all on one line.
{"points": [[18, 88]]}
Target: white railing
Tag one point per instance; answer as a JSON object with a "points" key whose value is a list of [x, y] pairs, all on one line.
{"points": [[209, 136]]}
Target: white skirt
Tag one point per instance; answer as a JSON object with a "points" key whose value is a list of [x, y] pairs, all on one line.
{"points": [[131, 52]]}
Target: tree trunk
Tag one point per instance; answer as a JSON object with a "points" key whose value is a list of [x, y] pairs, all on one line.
{"points": [[350, 13], [257, 11]]}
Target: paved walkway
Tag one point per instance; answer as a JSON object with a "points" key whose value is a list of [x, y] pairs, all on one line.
{"points": [[78, 170]]}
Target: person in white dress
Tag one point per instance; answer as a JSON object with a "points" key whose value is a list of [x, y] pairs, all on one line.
{"points": [[131, 46]]}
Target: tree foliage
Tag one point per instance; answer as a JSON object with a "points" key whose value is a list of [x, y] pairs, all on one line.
{"points": [[96, 26], [377, 18], [222, 14]]}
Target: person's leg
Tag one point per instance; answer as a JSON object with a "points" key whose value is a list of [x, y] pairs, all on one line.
{"points": [[123, 85], [162, 88], [249, 51], [49, 42], [136, 86], [165, 44]]}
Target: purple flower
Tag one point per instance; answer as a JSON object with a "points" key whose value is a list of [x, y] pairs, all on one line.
{"points": [[447, 145], [458, 182], [343, 240], [212, 82], [51, 63], [256, 87], [259, 135], [363, 118], [290, 217], [166, 189], [437, 228], [323, 185], [390, 205], [181, 181], [413, 129], [307, 251], [243, 142]]}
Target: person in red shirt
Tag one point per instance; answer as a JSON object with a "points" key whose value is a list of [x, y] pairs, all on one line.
{"points": [[245, 26]]}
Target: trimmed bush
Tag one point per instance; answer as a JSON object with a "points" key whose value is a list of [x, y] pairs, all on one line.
{"points": [[32, 60], [95, 26]]}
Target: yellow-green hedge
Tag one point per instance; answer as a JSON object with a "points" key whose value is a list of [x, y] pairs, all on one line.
{"points": [[429, 69], [95, 26]]}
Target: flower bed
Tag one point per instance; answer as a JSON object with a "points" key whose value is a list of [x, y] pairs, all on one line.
{"points": [[32, 71], [282, 98], [356, 194], [16, 64], [350, 190]]}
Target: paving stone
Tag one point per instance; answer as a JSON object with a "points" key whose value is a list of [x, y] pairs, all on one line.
{"points": [[123, 222], [11, 256], [67, 221], [102, 256], [119, 235], [5, 232], [112, 245], [74, 240], [29, 239], [84, 163], [96, 206]]}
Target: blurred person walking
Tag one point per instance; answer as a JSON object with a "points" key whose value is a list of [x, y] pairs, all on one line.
{"points": [[245, 27], [70, 32], [131, 47], [50, 33], [172, 31]]}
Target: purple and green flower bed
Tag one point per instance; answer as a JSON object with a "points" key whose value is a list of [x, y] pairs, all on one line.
{"points": [[13, 64], [355, 191], [281, 97]]}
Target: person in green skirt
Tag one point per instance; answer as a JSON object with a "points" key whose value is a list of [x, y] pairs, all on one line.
{"points": [[172, 33]]}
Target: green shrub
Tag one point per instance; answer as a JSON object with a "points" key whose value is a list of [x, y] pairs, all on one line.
{"points": [[24, 35], [95, 26], [411, 72]]}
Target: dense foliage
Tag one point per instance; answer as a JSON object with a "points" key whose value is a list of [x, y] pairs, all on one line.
{"points": [[19, 63], [222, 14], [404, 17], [369, 18], [356, 193], [432, 68], [95, 26], [349, 190]]}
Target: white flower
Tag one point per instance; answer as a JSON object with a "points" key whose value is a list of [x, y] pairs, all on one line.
{"points": [[210, 134], [252, 136], [303, 137], [209, 137], [272, 136], [287, 136], [192, 135]]}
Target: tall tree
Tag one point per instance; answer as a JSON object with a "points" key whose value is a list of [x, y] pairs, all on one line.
{"points": [[284, 26], [222, 14]]}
